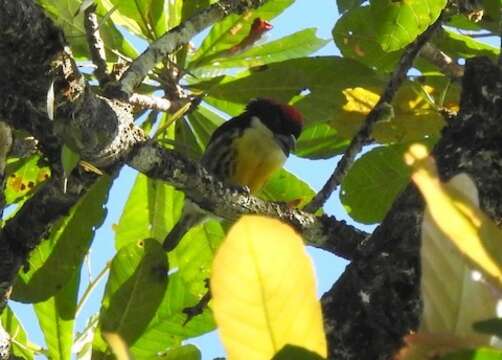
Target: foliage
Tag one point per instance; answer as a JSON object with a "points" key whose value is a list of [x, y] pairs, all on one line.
{"points": [[257, 309], [147, 292]]}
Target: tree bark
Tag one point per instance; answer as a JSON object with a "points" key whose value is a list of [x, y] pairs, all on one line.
{"points": [[377, 299]]}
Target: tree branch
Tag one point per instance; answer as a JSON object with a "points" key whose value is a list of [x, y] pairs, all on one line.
{"points": [[174, 38], [102, 132], [377, 300], [231, 202], [96, 45], [442, 61], [150, 102], [357, 142]]}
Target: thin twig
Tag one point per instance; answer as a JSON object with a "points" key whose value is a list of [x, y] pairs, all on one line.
{"points": [[90, 287], [174, 38], [96, 44], [356, 145], [198, 308]]}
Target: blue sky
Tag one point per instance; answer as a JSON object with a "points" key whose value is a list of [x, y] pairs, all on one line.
{"points": [[302, 14]]}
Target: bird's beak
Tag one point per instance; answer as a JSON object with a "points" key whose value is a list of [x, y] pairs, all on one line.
{"points": [[286, 142]]}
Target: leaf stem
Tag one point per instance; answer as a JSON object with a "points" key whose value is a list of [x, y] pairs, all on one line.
{"points": [[90, 287]]}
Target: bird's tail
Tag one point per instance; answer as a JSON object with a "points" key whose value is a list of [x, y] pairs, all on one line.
{"points": [[191, 216]]}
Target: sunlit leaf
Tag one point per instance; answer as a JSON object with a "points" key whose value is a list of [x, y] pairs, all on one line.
{"points": [[141, 17], [23, 177], [56, 318], [168, 329], [463, 46], [398, 23], [472, 233], [118, 346], [63, 14], [150, 210], [232, 29], [135, 287], [287, 187], [299, 44], [320, 141], [355, 36], [317, 81], [373, 182], [416, 110], [58, 257], [280, 309], [453, 305], [69, 160], [185, 352], [476, 354], [17, 333]]}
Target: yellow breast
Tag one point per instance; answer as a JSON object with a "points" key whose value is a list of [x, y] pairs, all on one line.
{"points": [[258, 156]]}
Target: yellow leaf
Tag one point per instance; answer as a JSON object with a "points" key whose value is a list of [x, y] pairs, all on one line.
{"points": [[118, 346], [473, 234], [263, 288], [453, 295]]}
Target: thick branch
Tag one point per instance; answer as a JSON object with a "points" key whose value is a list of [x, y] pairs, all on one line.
{"points": [[374, 115], [102, 131], [173, 39], [377, 300], [230, 202]]}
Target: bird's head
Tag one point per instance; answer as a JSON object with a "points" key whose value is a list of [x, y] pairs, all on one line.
{"points": [[285, 122]]}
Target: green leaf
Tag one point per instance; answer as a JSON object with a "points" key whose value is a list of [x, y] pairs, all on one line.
{"points": [[345, 5], [137, 282], [191, 7], [297, 45], [140, 17], [56, 318], [319, 77], [231, 30], [62, 13], [462, 46], [476, 354], [287, 187], [195, 131], [416, 115], [292, 352], [55, 260], [23, 177], [151, 209], [185, 352], [167, 329], [355, 36], [398, 23], [490, 326], [320, 141], [69, 159], [16, 331], [373, 182]]}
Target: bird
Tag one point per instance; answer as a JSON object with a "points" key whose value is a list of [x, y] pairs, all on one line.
{"points": [[244, 151]]}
